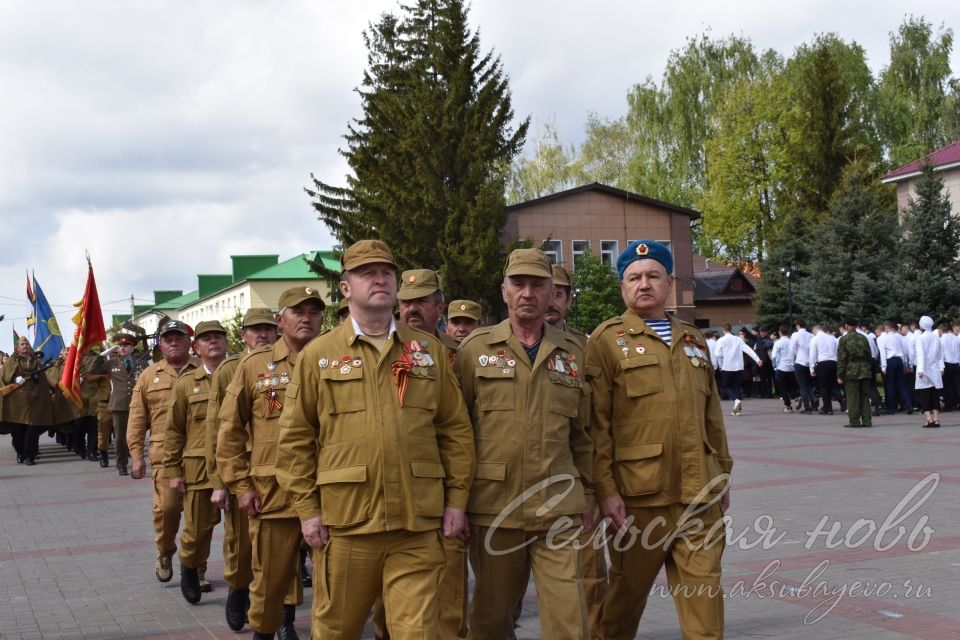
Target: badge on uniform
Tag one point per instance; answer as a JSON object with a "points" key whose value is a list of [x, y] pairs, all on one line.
{"points": [[483, 360], [323, 363], [196, 389]]}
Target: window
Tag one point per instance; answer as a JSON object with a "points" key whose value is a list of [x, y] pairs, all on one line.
{"points": [[580, 247], [554, 251], [609, 252], [241, 301]]}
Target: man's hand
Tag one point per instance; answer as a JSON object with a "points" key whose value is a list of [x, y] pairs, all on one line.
{"points": [[315, 532], [177, 484], [220, 497], [840, 381], [725, 500], [138, 469], [586, 521], [813, 373], [250, 503], [614, 509], [455, 524], [921, 376]]}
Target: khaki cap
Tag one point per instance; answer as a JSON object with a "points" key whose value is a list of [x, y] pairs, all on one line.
{"points": [[418, 283], [258, 315], [209, 326], [464, 309], [344, 306], [124, 338], [528, 262], [561, 277], [176, 326], [295, 295], [364, 252]]}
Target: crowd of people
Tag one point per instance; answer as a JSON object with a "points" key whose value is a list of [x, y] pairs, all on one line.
{"points": [[409, 441], [907, 367]]}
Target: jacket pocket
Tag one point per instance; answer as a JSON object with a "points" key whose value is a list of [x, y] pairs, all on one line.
{"points": [[562, 497], [488, 495], [272, 497], [345, 390], [642, 375], [638, 468], [197, 406], [344, 495], [565, 400], [428, 488], [495, 389]]}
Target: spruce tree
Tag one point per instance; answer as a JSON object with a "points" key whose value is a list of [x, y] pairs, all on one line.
{"points": [[789, 252], [430, 155], [926, 279]]}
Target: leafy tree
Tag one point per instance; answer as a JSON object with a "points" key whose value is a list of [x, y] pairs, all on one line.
{"points": [[548, 170], [596, 293], [431, 153], [606, 152], [853, 251], [926, 279], [916, 110], [234, 327]]}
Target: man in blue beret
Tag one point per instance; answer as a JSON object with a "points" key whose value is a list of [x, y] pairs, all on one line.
{"points": [[661, 461]]}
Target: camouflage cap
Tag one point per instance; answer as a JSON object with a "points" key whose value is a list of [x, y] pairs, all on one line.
{"points": [[258, 315], [295, 295], [176, 326], [209, 326], [561, 277], [364, 252], [528, 262], [464, 309], [418, 283]]}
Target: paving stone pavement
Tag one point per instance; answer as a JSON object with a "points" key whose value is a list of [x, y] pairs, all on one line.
{"points": [[76, 542]]}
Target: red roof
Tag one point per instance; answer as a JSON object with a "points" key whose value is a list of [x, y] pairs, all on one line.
{"points": [[948, 155]]}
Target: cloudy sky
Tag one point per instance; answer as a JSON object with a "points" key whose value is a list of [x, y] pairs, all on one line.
{"points": [[164, 136]]}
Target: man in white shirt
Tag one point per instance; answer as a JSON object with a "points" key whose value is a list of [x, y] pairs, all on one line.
{"points": [[800, 351], [893, 361], [950, 344], [783, 373], [730, 350], [823, 361]]}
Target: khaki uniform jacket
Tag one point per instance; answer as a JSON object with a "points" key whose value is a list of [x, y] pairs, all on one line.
{"points": [[349, 451], [122, 384], [89, 385], [149, 406], [249, 416], [31, 403], [657, 424], [63, 410], [221, 378], [530, 424], [184, 438]]}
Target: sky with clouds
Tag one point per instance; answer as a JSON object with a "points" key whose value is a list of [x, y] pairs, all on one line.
{"points": [[164, 136]]}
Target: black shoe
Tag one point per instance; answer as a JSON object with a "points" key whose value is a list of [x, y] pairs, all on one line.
{"points": [[189, 584], [286, 630], [20, 459], [104, 459], [92, 455], [123, 471], [851, 426], [31, 462], [262, 636], [237, 602], [909, 412]]}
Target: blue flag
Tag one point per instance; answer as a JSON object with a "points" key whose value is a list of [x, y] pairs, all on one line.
{"points": [[46, 331]]}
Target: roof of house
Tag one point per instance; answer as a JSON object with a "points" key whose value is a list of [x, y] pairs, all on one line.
{"points": [[945, 158], [717, 285], [618, 193]]}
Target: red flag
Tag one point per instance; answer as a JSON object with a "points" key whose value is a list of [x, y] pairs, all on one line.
{"points": [[90, 330]]}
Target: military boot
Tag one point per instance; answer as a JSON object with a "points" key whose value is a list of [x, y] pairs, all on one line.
{"points": [[189, 584], [286, 630], [104, 458], [237, 602], [164, 568], [262, 636]]}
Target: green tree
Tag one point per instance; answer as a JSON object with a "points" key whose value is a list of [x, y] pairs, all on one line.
{"points": [[916, 110], [927, 280], [234, 327], [789, 253], [430, 156], [596, 294], [548, 170], [606, 152], [853, 251]]}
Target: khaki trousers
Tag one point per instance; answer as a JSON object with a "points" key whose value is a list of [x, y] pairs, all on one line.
{"points": [[451, 599], [200, 516], [350, 572], [167, 505], [276, 571], [119, 420], [104, 427], [593, 568], [501, 582], [237, 553], [693, 573]]}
